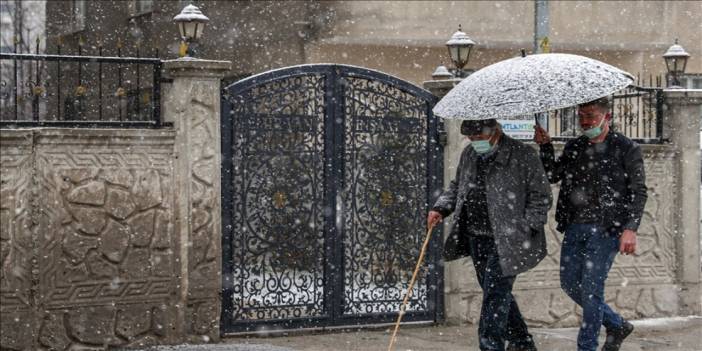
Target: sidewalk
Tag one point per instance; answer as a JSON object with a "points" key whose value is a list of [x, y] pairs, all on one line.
{"points": [[664, 334]]}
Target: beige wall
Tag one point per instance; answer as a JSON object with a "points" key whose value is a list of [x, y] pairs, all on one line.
{"points": [[112, 237], [87, 238], [407, 38], [633, 33]]}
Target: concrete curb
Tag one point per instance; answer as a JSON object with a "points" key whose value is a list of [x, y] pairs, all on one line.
{"points": [[648, 324], [665, 324], [640, 325]]}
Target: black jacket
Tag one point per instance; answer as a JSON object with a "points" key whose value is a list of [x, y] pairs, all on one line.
{"points": [[621, 183], [518, 199]]}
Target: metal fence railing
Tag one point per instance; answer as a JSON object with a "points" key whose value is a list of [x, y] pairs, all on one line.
{"points": [[79, 91], [637, 112]]}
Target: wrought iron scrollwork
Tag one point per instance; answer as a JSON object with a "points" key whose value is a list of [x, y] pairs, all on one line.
{"points": [[326, 197], [278, 185], [385, 195]]}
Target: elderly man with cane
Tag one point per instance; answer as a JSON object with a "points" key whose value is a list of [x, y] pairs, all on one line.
{"points": [[500, 197], [600, 205]]}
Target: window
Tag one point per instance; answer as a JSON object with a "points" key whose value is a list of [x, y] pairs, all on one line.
{"points": [[7, 6], [691, 81], [143, 6], [77, 16], [7, 25]]}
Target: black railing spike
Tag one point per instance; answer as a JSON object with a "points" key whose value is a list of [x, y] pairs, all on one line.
{"points": [[36, 89], [58, 80], [138, 87], [15, 40], [100, 83]]}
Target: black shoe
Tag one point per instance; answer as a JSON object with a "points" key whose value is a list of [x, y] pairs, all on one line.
{"points": [[616, 337]]}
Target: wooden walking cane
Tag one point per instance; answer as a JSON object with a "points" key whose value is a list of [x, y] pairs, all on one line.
{"points": [[409, 289]]}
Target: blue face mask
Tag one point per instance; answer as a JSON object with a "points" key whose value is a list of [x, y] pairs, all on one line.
{"points": [[594, 132], [481, 146]]}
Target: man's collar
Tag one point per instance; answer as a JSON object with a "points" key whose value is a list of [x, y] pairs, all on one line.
{"points": [[503, 149]]}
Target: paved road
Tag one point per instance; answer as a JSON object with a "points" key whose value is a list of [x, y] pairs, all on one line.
{"points": [[650, 335]]}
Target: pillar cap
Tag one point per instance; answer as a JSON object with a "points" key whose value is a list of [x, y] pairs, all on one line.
{"points": [[194, 67], [693, 96]]}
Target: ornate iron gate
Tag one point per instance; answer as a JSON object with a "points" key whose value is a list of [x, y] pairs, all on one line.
{"points": [[328, 172]]}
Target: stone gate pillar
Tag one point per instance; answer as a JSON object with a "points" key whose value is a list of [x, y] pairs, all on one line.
{"points": [[683, 111], [193, 105], [456, 300], [452, 139]]}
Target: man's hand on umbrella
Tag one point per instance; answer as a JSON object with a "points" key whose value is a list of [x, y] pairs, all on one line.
{"points": [[541, 135], [434, 218], [627, 242]]}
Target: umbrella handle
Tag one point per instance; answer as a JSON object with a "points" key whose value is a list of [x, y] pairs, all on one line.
{"points": [[411, 286]]}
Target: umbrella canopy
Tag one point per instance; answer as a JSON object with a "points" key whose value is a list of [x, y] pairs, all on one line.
{"points": [[526, 85]]}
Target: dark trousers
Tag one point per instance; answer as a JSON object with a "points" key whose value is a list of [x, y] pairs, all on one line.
{"points": [[586, 257], [500, 319]]}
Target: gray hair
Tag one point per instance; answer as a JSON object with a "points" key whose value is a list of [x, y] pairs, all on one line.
{"points": [[603, 103]]}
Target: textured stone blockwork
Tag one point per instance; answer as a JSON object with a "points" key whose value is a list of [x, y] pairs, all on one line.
{"points": [[662, 279], [193, 104], [88, 242], [17, 232], [638, 286], [112, 237]]}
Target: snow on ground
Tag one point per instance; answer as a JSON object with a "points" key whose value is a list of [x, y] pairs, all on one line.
{"points": [[664, 322], [223, 347]]}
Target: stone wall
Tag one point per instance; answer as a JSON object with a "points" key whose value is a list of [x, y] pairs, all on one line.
{"points": [[192, 103], [87, 238], [661, 279], [111, 237], [643, 285]]}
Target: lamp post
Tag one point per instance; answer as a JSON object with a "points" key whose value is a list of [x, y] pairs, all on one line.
{"points": [[441, 73], [459, 47], [675, 62], [191, 23]]}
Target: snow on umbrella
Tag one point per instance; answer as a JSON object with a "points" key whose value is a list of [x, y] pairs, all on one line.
{"points": [[531, 84]]}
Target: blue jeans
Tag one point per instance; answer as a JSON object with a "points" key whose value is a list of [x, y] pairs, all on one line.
{"points": [[586, 257], [500, 319]]}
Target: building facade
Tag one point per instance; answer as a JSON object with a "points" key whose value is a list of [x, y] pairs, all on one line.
{"points": [[405, 39]]}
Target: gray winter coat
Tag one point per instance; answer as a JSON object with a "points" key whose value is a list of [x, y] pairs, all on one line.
{"points": [[518, 197]]}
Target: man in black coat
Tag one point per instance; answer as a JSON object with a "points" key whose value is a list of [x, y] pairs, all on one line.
{"points": [[500, 198], [600, 205]]}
